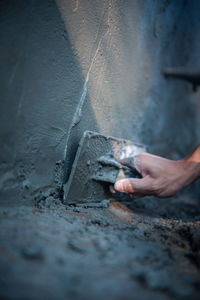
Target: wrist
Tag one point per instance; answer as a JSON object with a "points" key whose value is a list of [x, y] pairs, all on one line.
{"points": [[194, 156], [193, 169], [191, 165]]}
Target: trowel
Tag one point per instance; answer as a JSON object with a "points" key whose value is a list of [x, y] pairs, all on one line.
{"points": [[97, 167]]}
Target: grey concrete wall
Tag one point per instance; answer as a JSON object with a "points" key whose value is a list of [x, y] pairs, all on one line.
{"points": [[39, 86], [71, 65], [122, 47]]}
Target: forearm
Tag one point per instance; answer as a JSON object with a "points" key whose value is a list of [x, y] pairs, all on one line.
{"points": [[192, 165], [195, 155]]}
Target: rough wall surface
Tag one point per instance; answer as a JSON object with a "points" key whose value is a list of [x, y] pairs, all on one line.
{"points": [[39, 94], [122, 48], [71, 66]]}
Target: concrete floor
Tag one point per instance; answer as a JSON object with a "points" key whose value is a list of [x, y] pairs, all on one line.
{"points": [[146, 250]]}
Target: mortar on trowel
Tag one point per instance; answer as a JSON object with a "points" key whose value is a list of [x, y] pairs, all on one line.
{"points": [[96, 167]]}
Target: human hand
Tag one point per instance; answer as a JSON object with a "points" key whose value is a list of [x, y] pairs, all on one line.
{"points": [[160, 177]]}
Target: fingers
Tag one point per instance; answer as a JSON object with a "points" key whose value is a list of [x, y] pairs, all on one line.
{"points": [[133, 186], [127, 161], [132, 162], [145, 163]]}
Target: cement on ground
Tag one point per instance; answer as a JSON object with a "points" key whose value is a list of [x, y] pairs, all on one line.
{"points": [[147, 250]]}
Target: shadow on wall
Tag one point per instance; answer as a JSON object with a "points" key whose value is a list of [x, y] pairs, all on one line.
{"points": [[41, 83]]}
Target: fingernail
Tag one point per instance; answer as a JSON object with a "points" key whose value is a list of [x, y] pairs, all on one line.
{"points": [[119, 186]]}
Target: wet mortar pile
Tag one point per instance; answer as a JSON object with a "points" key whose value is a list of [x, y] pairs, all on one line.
{"points": [[148, 249]]}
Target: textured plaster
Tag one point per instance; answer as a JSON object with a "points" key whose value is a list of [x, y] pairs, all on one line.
{"points": [[96, 167], [71, 66], [122, 48]]}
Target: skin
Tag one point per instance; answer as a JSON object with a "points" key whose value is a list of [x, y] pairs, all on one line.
{"points": [[161, 177]]}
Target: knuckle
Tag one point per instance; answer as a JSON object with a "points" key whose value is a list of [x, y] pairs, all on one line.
{"points": [[137, 162], [142, 155]]}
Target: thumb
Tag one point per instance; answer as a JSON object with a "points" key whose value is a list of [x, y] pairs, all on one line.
{"points": [[132, 185]]}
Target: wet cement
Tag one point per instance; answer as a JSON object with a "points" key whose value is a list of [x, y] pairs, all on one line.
{"points": [[148, 249], [96, 167]]}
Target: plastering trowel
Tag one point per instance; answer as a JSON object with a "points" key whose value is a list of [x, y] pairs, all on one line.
{"points": [[96, 167]]}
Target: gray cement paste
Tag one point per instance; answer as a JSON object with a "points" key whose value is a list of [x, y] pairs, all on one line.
{"points": [[96, 165]]}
